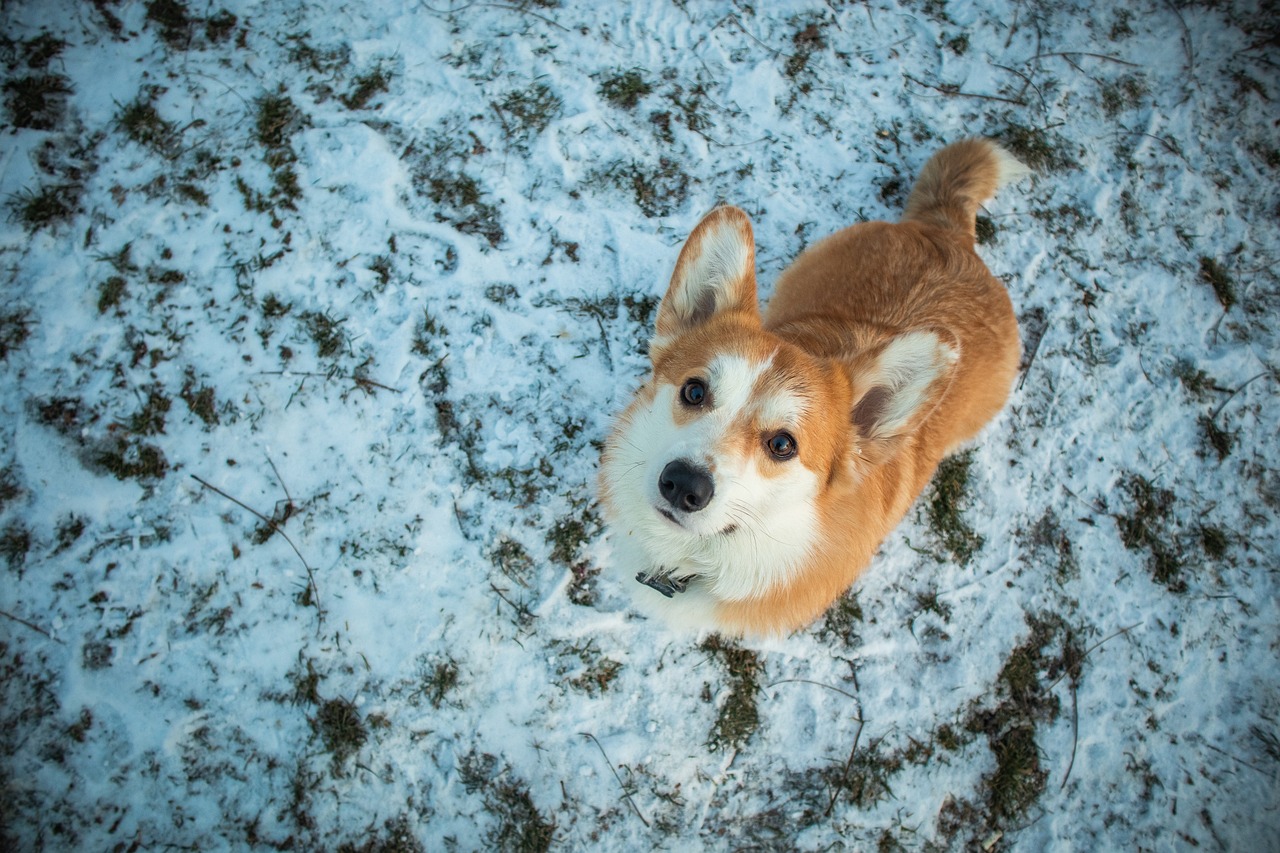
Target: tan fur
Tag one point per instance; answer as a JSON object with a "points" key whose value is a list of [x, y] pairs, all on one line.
{"points": [[834, 315]]}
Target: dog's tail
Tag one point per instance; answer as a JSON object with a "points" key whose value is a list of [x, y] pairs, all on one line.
{"points": [[957, 180]]}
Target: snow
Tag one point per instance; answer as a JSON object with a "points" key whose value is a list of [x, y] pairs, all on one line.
{"points": [[488, 236]]}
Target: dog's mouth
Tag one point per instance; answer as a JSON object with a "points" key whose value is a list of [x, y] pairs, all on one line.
{"points": [[671, 517]]}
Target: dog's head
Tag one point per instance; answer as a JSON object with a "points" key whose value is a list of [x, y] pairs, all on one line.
{"points": [[721, 464]]}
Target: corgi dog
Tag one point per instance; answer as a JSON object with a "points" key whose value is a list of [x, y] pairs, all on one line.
{"points": [[756, 471]]}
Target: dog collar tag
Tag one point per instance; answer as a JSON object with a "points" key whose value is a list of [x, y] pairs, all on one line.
{"points": [[665, 584]]}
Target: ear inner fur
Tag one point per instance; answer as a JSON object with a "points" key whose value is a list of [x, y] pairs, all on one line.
{"points": [[714, 273], [870, 408]]}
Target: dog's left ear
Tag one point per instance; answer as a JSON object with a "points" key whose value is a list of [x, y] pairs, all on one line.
{"points": [[898, 385], [715, 273]]}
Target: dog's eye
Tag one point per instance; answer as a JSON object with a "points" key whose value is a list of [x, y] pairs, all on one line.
{"points": [[782, 446], [694, 392]]}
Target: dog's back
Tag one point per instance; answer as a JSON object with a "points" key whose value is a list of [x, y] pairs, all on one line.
{"points": [[921, 273]]}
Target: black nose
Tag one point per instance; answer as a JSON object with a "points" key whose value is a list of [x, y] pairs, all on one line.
{"points": [[686, 487]]}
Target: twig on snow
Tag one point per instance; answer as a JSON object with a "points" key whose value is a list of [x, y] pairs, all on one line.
{"points": [[274, 528], [844, 776], [1067, 54], [30, 625], [957, 93], [625, 792], [1231, 396]]}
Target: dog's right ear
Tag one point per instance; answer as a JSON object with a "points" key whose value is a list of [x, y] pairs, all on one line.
{"points": [[715, 273], [902, 381]]}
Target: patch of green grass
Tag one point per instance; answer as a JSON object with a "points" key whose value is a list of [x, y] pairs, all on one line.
{"points": [[325, 331], [1126, 93], [150, 419], [15, 329], [340, 727], [512, 559], [273, 308], [530, 111], [46, 207], [1121, 25], [738, 718], [657, 190], [624, 89], [276, 120], [929, 603], [1049, 542], [1224, 287], [863, 780], [461, 199], [1197, 383], [367, 87], [519, 826], [944, 508], [641, 307], [569, 533], [1037, 148], [1050, 653], [1018, 780], [192, 193], [1146, 527], [38, 101], [122, 260], [38, 52], [1214, 541], [15, 542], [984, 230], [582, 589], [455, 190], [180, 30], [111, 293], [426, 342], [10, 489], [1066, 218], [64, 414], [593, 673], [398, 837], [165, 276], [201, 401], [842, 620], [141, 122], [806, 41], [219, 26], [129, 460], [97, 655], [79, 730], [171, 17], [1219, 440], [69, 529], [440, 682]]}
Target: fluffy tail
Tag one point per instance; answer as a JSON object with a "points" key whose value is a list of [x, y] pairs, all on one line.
{"points": [[957, 180]]}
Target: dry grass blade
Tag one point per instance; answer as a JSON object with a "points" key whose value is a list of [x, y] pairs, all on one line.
{"points": [[625, 792], [313, 590]]}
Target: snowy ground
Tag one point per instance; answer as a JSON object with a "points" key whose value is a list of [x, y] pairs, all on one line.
{"points": [[314, 318]]}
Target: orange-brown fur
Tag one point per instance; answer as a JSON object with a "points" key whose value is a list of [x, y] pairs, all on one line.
{"points": [[831, 314]]}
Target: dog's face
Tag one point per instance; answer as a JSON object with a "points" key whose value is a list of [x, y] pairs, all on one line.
{"points": [[724, 452], [721, 466], [721, 456]]}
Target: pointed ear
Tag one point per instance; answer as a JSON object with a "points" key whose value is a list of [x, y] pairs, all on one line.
{"points": [[715, 273], [902, 384]]}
